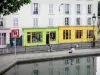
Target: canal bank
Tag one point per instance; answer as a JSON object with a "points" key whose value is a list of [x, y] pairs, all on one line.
{"points": [[7, 61]]}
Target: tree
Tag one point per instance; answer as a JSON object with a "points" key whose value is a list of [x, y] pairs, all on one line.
{"points": [[10, 6], [99, 8]]}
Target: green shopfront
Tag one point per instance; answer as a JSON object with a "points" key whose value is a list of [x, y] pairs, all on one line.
{"points": [[40, 36]]}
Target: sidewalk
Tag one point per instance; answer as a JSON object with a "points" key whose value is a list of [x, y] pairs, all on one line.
{"points": [[6, 61]]}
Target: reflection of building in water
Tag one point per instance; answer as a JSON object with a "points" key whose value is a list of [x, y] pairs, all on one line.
{"points": [[70, 66]]}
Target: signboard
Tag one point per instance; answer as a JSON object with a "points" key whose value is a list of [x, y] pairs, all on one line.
{"points": [[15, 33]]}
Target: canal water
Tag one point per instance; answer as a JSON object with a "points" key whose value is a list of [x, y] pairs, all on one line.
{"points": [[70, 66]]}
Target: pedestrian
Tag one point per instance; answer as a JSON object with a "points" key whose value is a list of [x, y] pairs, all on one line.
{"points": [[76, 46], [72, 50], [13, 43]]}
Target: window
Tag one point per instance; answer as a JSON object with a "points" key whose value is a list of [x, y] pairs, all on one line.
{"points": [[90, 33], [35, 72], [88, 70], [89, 21], [67, 8], [35, 8], [67, 71], [50, 8], [36, 37], [15, 21], [51, 71], [78, 8], [66, 62], [77, 21], [79, 34], [50, 63], [52, 36], [2, 38], [77, 61], [35, 23], [88, 59], [50, 21], [35, 64], [77, 70], [66, 20], [28, 37], [89, 9], [1, 21], [71, 61], [66, 34]]}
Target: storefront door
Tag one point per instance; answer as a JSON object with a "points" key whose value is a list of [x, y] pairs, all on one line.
{"points": [[47, 37]]}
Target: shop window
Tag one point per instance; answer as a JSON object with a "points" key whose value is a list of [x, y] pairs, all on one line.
{"points": [[79, 34], [29, 37], [36, 37], [63, 34], [90, 33], [66, 34], [2, 38], [52, 36]]}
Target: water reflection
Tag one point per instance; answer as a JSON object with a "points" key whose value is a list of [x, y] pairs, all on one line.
{"points": [[70, 66]]}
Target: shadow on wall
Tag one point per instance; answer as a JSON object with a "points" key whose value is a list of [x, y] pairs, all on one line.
{"points": [[18, 41]]}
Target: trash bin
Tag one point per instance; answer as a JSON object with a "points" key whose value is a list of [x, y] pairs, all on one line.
{"points": [[8, 45]]}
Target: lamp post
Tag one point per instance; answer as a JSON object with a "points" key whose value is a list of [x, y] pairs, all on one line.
{"points": [[93, 19], [60, 5], [59, 13]]}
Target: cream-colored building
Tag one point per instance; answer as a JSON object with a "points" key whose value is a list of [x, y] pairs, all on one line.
{"points": [[52, 13]]}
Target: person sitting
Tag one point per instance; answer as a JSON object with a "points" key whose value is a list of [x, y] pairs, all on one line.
{"points": [[72, 50]]}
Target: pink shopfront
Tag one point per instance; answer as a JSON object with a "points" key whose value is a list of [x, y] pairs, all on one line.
{"points": [[4, 37]]}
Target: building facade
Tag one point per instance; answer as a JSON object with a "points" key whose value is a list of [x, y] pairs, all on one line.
{"points": [[4, 33], [54, 13]]}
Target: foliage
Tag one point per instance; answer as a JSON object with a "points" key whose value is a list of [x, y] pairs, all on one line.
{"points": [[10, 6]]}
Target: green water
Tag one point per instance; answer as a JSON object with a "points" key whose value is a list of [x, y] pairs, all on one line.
{"points": [[69, 66]]}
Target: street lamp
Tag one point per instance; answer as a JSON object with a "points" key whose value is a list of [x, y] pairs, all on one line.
{"points": [[93, 19], [60, 5], [59, 12]]}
